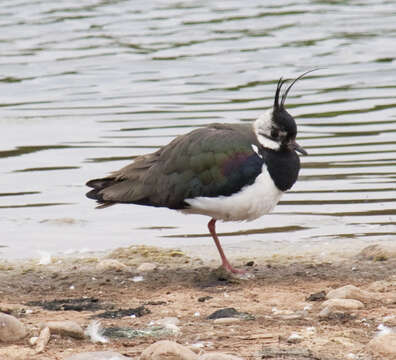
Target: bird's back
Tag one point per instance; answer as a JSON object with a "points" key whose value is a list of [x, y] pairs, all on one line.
{"points": [[217, 160]]}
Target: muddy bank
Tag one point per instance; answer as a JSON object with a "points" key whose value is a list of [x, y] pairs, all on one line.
{"points": [[283, 298]]}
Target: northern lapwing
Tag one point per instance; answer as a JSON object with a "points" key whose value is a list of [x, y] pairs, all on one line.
{"points": [[230, 172]]}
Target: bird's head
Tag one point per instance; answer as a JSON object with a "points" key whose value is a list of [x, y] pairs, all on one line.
{"points": [[277, 129]]}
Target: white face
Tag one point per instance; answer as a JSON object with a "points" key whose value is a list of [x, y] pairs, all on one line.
{"points": [[262, 127]]}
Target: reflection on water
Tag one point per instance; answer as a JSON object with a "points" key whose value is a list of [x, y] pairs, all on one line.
{"points": [[87, 86]]}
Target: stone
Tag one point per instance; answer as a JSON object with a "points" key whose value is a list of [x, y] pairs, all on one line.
{"points": [[324, 313], [378, 252], [294, 338], [42, 340], [218, 356], [169, 323], [351, 292], [343, 304], [224, 313], [33, 340], [98, 355], [12, 309], [65, 328], [168, 350], [329, 313], [11, 329], [384, 345], [110, 264], [318, 296], [230, 313], [227, 321], [389, 320], [145, 267]]}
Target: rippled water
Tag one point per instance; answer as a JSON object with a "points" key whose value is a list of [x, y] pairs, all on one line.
{"points": [[86, 86]]}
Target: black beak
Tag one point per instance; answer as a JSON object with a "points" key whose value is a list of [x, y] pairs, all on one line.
{"points": [[298, 148]]}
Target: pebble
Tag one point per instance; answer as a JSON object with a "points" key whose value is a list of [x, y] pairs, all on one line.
{"points": [[331, 313], [294, 338], [343, 304], [390, 320], [33, 340], [204, 298], [318, 296], [42, 340], [384, 345], [218, 356], [224, 313], [11, 329], [230, 313], [166, 349], [169, 323], [227, 321], [145, 267], [378, 252], [65, 328], [110, 264], [98, 355], [12, 309], [350, 292]]}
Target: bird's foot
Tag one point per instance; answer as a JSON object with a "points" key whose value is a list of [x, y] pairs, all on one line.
{"points": [[229, 268]]}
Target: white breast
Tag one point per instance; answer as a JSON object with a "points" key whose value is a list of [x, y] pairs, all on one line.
{"points": [[251, 202]]}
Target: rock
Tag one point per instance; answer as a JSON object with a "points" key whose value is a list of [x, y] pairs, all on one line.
{"points": [[325, 313], [65, 328], [145, 267], [329, 313], [378, 252], [169, 323], [351, 292], [384, 345], [98, 355], [33, 340], [218, 356], [230, 313], [11, 329], [42, 340], [319, 296], [227, 321], [204, 298], [224, 313], [343, 304], [389, 320], [110, 264], [294, 338], [12, 309], [167, 350]]}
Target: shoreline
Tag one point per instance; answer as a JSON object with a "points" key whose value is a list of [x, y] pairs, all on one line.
{"points": [[169, 284]]}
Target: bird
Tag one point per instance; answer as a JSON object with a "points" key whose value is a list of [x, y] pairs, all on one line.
{"points": [[229, 172]]}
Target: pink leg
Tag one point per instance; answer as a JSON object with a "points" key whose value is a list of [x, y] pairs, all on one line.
{"points": [[226, 264]]}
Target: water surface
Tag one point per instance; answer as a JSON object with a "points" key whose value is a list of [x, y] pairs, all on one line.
{"points": [[87, 86]]}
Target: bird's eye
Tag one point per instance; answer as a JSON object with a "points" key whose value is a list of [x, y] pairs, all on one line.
{"points": [[274, 133]]}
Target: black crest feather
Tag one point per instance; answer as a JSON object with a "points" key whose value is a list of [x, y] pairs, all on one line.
{"points": [[278, 105]]}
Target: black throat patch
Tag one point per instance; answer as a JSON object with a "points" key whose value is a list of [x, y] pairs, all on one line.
{"points": [[283, 167]]}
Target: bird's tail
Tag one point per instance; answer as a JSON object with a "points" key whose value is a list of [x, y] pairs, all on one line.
{"points": [[97, 185]]}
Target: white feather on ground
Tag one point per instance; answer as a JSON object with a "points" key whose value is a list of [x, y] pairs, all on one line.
{"points": [[95, 332]]}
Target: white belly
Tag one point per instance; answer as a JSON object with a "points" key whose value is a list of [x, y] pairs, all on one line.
{"points": [[251, 202]]}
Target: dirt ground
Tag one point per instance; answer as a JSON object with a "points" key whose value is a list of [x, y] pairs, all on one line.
{"points": [[275, 297]]}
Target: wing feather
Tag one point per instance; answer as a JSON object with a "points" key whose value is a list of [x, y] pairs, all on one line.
{"points": [[210, 161]]}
